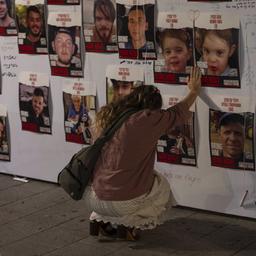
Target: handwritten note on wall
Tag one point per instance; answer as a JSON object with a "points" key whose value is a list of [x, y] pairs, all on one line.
{"points": [[9, 58], [242, 4]]}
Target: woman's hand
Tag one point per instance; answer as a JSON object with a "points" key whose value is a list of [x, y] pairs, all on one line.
{"points": [[194, 84], [194, 80]]}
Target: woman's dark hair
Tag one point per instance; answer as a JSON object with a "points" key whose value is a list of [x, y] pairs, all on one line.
{"points": [[142, 97]]}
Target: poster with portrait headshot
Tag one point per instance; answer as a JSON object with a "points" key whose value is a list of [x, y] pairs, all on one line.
{"points": [[7, 21], [99, 23], [217, 49], [231, 139], [34, 102], [121, 80], [31, 26], [63, 2], [136, 29], [174, 37], [4, 135], [178, 147], [79, 99], [64, 36]]}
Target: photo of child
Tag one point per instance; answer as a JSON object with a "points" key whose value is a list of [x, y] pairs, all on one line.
{"points": [[217, 44], [218, 48], [175, 48]]}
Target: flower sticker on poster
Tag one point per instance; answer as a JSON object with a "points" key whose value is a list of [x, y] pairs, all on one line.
{"points": [[136, 29], [4, 138], [79, 99], [217, 43], [63, 2], [231, 134], [64, 35], [178, 147], [34, 102], [121, 79], [174, 36], [7, 21], [31, 26], [99, 18]]}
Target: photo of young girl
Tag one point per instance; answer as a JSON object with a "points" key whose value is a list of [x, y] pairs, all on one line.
{"points": [[174, 58], [219, 50]]}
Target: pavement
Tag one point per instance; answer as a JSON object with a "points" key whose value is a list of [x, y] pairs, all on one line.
{"points": [[38, 219]]}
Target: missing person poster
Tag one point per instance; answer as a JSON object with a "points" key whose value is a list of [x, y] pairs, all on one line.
{"points": [[64, 35], [7, 21], [63, 2], [136, 29], [4, 138], [178, 147], [79, 99], [174, 36], [34, 103], [231, 135], [217, 36], [121, 80], [31, 26], [99, 23]]}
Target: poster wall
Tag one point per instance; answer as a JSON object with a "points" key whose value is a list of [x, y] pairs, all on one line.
{"points": [[200, 184]]}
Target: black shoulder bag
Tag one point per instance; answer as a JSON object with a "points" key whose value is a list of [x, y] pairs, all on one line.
{"points": [[77, 174]]}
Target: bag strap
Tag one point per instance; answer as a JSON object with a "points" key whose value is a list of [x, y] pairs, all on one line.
{"points": [[109, 131]]}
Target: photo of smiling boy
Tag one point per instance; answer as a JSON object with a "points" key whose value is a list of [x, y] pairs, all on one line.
{"points": [[231, 139], [31, 28], [219, 56]]}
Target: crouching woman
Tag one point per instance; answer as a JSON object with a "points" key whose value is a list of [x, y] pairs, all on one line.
{"points": [[127, 194]]}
